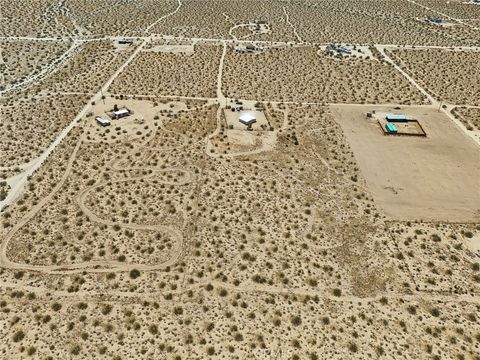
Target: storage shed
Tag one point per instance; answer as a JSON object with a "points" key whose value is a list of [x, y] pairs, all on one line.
{"points": [[396, 118], [391, 129], [102, 122], [121, 113]]}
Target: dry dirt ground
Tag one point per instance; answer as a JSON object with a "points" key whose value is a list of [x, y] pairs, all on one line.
{"points": [[450, 76], [20, 59], [304, 74], [470, 117], [30, 123], [172, 234], [163, 73], [411, 178]]}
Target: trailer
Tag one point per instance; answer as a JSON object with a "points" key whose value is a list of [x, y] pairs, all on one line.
{"points": [[102, 122], [396, 118], [118, 114]]}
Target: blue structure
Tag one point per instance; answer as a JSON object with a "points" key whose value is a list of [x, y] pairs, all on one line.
{"points": [[396, 118], [391, 129]]}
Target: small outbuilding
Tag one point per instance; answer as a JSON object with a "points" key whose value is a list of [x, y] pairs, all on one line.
{"points": [[125, 41], [120, 113], [391, 129], [102, 122], [247, 117], [396, 118]]}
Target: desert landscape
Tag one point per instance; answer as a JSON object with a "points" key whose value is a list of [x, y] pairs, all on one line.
{"points": [[230, 179]]}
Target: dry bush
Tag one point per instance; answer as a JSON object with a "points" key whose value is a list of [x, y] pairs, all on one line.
{"points": [[152, 73], [300, 74], [23, 59], [214, 18], [88, 69], [470, 117], [450, 76], [30, 124], [381, 22]]}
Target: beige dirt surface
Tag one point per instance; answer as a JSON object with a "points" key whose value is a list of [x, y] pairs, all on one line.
{"points": [[412, 178], [177, 233]]}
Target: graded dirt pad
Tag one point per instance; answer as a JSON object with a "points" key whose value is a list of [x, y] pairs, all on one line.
{"points": [[432, 178], [450, 76], [307, 75], [174, 74]]}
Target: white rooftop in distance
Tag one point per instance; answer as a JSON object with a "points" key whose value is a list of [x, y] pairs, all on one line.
{"points": [[247, 117], [121, 112]]}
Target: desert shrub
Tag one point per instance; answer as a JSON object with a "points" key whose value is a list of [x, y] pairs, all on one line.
{"points": [[134, 273]]}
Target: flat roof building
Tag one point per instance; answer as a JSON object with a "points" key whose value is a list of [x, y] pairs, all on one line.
{"points": [[120, 113], [247, 117], [102, 122], [397, 118]]}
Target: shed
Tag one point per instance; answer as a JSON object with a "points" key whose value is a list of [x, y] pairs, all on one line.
{"points": [[125, 41], [247, 117], [102, 122], [396, 118], [391, 128], [121, 113]]}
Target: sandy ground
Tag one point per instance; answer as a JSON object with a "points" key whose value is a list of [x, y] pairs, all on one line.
{"points": [[432, 178]]}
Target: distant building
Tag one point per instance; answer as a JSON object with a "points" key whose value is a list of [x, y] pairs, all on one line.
{"points": [[125, 41], [249, 48], [396, 118], [102, 122], [435, 20], [247, 117], [118, 114]]}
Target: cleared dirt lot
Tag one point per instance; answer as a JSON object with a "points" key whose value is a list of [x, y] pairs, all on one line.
{"points": [[432, 178]]}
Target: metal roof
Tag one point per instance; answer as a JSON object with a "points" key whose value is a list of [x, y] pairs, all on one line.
{"points": [[390, 127], [121, 112], [396, 117], [247, 117]]}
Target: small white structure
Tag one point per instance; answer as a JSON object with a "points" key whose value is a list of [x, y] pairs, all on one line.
{"points": [[247, 117], [121, 113], [102, 122]]}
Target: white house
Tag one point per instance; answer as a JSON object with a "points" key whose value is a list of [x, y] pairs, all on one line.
{"points": [[247, 117], [120, 113]]}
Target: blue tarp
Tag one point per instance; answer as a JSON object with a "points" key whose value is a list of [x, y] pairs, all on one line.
{"points": [[391, 128]]}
